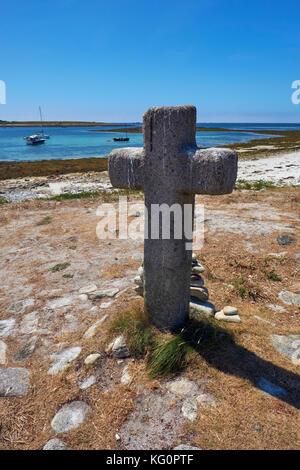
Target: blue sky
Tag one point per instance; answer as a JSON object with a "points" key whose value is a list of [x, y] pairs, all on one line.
{"points": [[109, 61]]}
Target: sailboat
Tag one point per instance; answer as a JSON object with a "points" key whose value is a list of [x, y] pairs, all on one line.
{"points": [[122, 139], [45, 136], [39, 137]]}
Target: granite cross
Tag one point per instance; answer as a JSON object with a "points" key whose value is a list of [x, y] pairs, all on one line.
{"points": [[170, 169]]}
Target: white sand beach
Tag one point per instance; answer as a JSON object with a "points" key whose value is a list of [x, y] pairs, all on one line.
{"points": [[282, 169]]}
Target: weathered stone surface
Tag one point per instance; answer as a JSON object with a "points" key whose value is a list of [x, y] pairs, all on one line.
{"points": [[199, 309], [170, 170], [277, 308], [14, 382], [270, 388], [198, 269], [71, 324], [196, 281], [83, 297], [62, 302], [229, 318], [29, 324], [141, 271], [189, 409], [101, 293], [289, 298], [91, 331], [6, 326], [185, 447], [200, 293], [3, 349], [126, 377], [288, 345], [285, 239], [105, 305], [118, 348], [87, 382], [88, 289], [20, 305], [278, 255], [63, 359], [182, 387], [55, 444], [25, 351], [91, 359], [138, 280], [70, 416], [264, 320], [228, 310]]}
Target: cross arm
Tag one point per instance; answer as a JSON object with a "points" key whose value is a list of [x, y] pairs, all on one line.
{"points": [[211, 171], [126, 168]]}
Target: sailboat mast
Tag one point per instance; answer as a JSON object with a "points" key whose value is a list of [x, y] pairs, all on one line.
{"points": [[41, 117]]}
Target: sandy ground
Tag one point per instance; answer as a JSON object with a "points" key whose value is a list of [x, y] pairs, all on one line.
{"points": [[240, 242], [283, 169]]}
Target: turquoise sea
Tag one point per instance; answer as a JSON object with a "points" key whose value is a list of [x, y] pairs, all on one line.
{"points": [[80, 142]]}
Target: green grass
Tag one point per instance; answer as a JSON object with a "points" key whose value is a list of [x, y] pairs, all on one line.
{"points": [[68, 276], [271, 275], [107, 196], [3, 200], [45, 221], [245, 289], [59, 267], [170, 357], [166, 356], [83, 195], [255, 185], [135, 326]]}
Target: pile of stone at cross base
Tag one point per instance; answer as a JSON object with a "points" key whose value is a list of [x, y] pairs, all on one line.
{"points": [[199, 305]]}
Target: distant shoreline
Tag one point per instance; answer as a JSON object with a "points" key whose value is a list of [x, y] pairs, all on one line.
{"points": [[56, 124], [278, 142]]}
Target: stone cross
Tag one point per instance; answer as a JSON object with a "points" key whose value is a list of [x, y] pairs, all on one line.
{"points": [[170, 169]]}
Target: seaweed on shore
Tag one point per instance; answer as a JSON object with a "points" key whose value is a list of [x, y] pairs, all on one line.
{"points": [[9, 170]]}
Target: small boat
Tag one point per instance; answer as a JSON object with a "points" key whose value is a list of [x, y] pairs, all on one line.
{"points": [[35, 139], [121, 139], [39, 137]]}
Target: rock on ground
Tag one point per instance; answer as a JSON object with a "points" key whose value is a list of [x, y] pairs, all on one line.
{"points": [[55, 444], [91, 358], [289, 298], [288, 345], [3, 348], [25, 351], [14, 382], [62, 359], [185, 447], [70, 416], [200, 309], [86, 383], [91, 331], [100, 294], [118, 348], [6, 326], [182, 387]]}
